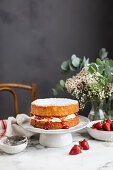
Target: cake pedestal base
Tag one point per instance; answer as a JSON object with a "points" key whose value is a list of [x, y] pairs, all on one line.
{"points": [[55, 140]]}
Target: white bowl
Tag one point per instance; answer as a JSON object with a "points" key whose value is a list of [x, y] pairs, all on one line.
{"points": [[12, 149], [97, 134]]}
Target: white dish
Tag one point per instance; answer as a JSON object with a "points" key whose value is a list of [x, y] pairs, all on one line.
{"points": [[58, 137], [12, 149], [97, 134]]}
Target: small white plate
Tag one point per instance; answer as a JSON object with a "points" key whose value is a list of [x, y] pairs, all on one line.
{"points": [[97, 134], [13, 149]]}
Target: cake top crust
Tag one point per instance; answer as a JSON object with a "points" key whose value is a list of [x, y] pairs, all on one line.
{"points": [[54, 102]]}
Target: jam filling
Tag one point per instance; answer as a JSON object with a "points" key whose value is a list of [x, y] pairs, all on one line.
{"points": [[47, 124], [47, 117], [65, 127]]}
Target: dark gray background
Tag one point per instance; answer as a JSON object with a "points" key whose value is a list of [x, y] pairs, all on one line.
{"points": [[37, 35]]}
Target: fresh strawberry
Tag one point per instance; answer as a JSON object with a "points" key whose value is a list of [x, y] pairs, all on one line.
{"points": [[94, 128], [109, 121], [107, 126], [98, 125], [75, 150], [84, 144]]}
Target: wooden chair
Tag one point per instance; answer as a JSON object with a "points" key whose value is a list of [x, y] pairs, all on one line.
{"points": [[9, 86]]}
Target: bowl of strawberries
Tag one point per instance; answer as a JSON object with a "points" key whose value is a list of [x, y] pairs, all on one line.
{"points": [[101, 129]]}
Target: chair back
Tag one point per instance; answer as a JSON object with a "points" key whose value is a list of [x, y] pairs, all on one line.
{"points": [[9, 87]]}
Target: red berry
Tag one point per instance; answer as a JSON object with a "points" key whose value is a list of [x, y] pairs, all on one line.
{"points": [[106, 126], [109, 121], [75, 150], [47, 125], [31, 115], [76, 114], [101, 129], [65, 127], [63, 122], [84, 144], [98, 125]]}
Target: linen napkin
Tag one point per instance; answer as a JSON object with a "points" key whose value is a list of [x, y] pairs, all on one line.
{"points": [[12, 126]]}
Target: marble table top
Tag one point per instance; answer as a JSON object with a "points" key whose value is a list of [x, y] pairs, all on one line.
{"points": [[37, 157]]}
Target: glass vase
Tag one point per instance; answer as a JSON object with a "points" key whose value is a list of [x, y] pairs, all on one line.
{"points": [[97, 112]]}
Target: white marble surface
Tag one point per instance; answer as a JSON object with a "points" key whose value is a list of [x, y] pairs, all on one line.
{"points": [[37, 157]]}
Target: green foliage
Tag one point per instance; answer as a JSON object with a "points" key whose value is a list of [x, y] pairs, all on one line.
{"points": [[99, 62], [75, 61], [93, 68], [62, 83], [84, 62], [104, 66], [103, 53], [65, 65], [59, 87], [71, 64]]}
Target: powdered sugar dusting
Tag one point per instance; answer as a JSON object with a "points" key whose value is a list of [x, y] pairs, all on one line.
{"points": [[54, 102]]}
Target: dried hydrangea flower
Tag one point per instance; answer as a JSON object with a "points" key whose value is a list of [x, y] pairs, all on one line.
{"points": [[110, 85], [84, 86]]}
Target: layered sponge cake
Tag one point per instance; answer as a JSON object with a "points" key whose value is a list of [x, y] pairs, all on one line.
{"points": [[54, 113]]}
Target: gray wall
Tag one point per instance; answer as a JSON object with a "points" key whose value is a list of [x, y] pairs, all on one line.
{"points": [[37, 35]]}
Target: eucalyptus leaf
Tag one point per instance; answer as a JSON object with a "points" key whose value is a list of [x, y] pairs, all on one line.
{"points": [[64, 72], [62, 83], [85, 61], [73, 57], [111, 69], [101, 69], [65, 65], [55, 92], [72, 68], [110, 77], [103, 53], [107, 70], [107, 63], [76, 62], [111, 63]]}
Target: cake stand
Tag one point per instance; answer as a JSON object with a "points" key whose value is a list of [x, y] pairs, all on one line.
{"points": [[58, 137]]}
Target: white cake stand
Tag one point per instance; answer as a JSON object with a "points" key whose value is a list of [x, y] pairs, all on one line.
{"points": [[58, 137]]}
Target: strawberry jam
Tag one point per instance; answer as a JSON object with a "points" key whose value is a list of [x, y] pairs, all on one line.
{"points": [[31, 115], [65, 127], [76, 114], [63, 122], [47, 125]]}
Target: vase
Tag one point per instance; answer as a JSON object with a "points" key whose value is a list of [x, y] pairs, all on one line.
{"points": [[97, 112]]}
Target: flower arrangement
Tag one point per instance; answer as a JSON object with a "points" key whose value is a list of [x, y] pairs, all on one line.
{"points": [[86, 86], [93, 82]]}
